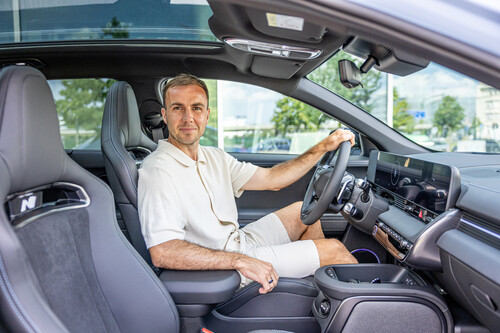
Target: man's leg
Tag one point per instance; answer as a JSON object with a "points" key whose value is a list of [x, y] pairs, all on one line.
{"points": [[290, 217], [331, 251]]}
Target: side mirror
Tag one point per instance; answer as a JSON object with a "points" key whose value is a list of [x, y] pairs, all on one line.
{"points": [[350, 74]]}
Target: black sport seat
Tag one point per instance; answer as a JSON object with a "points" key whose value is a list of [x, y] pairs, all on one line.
{"points": [[64, 263], [124, 146]]}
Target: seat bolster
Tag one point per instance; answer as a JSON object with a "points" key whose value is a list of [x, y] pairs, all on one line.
{"points": [[121, 171], [121, 130], [22, 300]]}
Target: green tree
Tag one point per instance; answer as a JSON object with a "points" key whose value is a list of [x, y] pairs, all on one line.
{"points": [[476, 123], [328, 76], [292, 114], [82, 101], [448, 116], [115, 29], [402, 120], [212, 91]]}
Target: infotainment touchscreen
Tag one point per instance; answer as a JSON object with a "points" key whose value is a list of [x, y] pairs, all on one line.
{"points": [[419, 187]]}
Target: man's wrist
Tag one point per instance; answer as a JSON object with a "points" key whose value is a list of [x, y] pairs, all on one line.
{"points": [[318, 149], [235, 260]]}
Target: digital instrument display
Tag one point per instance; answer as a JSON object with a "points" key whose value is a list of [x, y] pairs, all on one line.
{"points": [[419, 187]]}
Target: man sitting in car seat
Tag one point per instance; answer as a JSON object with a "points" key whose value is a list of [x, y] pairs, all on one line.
{"points": [[187, 208]]}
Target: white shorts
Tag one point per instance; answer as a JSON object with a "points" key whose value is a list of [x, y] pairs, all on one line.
{"points": [[267, 239]]}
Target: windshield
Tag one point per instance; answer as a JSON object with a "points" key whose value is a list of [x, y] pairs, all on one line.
{"points": [[435, 107], [54, 20]]}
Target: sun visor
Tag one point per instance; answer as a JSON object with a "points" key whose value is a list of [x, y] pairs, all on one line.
{"points": [[274, 67], [285, 26]]}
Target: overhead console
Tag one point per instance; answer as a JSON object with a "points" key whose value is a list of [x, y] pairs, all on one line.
{"points": [[273, 43], [273, 50], [421, 197]]}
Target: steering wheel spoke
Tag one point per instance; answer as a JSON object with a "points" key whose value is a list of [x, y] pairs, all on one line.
{"points": [[309, 208], [312, 208]]}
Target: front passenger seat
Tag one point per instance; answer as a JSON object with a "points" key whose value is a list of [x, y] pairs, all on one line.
{"points": [[64, 263], [124, 146]]}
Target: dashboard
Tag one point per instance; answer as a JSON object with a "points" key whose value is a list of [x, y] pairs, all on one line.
{"points": [[420, 193], [421, 188], [443, 217]]}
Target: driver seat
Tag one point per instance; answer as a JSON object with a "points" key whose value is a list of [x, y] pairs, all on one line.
{"points": [[121, 132]]}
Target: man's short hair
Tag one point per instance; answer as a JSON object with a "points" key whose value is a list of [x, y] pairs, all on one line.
{"points": [[184, 79]]}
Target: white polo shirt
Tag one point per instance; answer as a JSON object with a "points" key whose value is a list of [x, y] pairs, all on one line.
{"points": [[179, 198]]}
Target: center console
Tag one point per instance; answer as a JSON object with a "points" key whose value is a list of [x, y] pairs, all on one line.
{"points": [[406, 204], [378, 298]]}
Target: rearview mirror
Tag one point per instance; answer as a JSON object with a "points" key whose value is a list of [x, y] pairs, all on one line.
{"points": [[350, 75]]}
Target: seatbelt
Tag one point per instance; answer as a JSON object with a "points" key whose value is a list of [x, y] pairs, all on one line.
{"points": [[154, 122], [157, 134]]}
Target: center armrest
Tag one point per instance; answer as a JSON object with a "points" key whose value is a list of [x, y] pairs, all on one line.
{"points": [[200, 287]]}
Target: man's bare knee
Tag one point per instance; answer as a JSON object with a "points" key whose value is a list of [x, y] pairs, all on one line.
{"points": [[290, 217], [292, 210], [333, 252]]}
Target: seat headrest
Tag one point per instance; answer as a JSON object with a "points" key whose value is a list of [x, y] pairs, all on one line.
{"points": [[30, 142], [121, 118]]}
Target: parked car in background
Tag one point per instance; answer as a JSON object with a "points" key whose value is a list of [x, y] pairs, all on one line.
{"points": [[273, 145]]}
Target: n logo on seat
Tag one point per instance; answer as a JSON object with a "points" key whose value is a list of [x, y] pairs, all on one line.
{"points": [[20, 204], [28, 203]]}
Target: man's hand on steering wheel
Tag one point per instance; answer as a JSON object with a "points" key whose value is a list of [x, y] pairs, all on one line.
{"points": [[324, 185], [333, 141]]}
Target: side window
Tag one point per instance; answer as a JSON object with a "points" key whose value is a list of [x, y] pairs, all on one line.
{"points": [[251, 119], [80, 104], [211, 137]]}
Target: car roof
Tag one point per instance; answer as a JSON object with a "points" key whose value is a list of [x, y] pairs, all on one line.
{"points": [[407, 33]]}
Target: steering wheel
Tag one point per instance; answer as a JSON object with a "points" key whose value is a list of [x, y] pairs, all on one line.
{"points": [[324, 185]]}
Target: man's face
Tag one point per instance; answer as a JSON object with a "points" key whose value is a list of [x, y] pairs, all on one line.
{"points": [[186, 114]]}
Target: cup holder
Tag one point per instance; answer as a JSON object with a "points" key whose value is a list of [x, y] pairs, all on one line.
{"points": [[365, 256]]}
